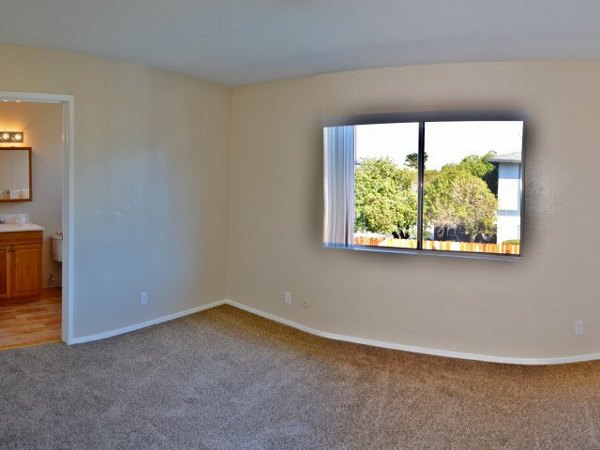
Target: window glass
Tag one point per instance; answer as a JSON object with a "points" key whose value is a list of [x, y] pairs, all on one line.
{"points": [[428, 182], [472, 187], [386, 185]]}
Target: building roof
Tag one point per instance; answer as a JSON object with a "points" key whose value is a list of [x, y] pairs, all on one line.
{"points": [[507, 158]]}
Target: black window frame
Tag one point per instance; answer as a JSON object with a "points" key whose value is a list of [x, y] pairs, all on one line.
{"points": [[422, 118]]}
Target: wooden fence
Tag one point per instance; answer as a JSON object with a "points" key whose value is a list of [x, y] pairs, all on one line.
{"points": [[504, 249]]}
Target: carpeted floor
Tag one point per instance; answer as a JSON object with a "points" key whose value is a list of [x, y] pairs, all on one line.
{"points": [[225, 379]]}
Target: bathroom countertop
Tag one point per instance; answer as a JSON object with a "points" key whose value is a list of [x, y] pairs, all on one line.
{"points": [[13, 227]]}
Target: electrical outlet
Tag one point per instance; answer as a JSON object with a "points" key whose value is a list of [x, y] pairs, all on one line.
{"points": [[305, 302], [143, 298], [287, 297], [578, 328]]}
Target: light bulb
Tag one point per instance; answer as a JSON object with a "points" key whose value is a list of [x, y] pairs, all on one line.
{"points": [[5, 136], [18, 137]]}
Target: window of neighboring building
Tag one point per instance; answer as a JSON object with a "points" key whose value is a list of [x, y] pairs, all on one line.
{"points": [[428, 182]]}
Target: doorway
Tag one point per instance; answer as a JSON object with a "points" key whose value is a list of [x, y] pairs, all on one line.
{"points": [[54, 297]]}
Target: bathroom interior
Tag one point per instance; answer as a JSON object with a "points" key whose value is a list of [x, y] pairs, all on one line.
{"points": [[32, 149]]}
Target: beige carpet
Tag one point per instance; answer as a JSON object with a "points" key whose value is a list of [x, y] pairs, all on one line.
{"points": [[224, 379]]}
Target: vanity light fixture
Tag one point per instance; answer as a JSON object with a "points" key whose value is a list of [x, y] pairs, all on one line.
{"points": [[11, 136]]}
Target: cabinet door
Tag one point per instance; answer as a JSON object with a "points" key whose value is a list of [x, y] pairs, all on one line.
{"points": [[26, 270], [4, 272]]}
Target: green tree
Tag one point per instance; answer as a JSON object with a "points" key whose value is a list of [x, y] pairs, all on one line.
{"points": [[412, 160], [481, 167], [458, 198], [385, 201]]}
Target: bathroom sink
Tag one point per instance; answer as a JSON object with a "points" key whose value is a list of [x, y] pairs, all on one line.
{"points": [[12, 227]]}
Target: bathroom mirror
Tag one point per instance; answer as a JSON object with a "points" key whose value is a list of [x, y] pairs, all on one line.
{"points": [[15, 174]]}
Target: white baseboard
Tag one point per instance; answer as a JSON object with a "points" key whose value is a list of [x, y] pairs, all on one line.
{"points": [[137, 326], [416, 349], [345, 338]]}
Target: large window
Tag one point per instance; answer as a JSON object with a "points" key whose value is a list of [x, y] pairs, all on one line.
{"points": [[442, 182]]}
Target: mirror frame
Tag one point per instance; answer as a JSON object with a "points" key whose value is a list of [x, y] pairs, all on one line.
{"points": [[20, 200]]}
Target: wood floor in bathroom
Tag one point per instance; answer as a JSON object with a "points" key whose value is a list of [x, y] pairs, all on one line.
{"points": [[31, 322]]}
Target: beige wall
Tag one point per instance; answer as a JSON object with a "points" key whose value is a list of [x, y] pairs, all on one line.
{"points": [[171, 172], [42, 124], [519, 309], [151, 183]]}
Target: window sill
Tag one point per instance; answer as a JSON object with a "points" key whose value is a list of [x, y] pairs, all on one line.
{"points": [[446, 254]]}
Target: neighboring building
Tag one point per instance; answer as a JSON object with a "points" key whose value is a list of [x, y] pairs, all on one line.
{"points": [[509, 196]]}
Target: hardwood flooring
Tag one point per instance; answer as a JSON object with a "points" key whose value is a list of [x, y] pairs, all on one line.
{"points": [[31, 322]]}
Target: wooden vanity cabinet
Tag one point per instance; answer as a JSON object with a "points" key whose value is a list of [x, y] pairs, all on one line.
{"points": [[4, 271], [21, 264]]}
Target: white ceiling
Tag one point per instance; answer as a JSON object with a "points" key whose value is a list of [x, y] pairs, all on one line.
{"points": [[237, 42]]}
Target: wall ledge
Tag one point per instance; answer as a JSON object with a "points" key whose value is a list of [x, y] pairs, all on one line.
{"points": [[345, 338]]}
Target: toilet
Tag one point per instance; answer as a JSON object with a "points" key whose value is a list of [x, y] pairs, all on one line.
{"points": [[57, 244]]}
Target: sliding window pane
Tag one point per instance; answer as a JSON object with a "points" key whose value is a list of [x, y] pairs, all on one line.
{"points": [[473, 187], [385, 185]]}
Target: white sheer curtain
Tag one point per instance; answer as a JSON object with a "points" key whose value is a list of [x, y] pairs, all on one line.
{"points": [[339, 186]]}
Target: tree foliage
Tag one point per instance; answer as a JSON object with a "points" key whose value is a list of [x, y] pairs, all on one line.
{"points": [[481, 167], [461, 195], [457, 198], [412, 160], [385, 201]]}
